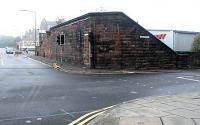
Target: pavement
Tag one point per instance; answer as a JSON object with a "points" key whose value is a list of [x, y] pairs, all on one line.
{"points": [[182, 109], [85, 70]]}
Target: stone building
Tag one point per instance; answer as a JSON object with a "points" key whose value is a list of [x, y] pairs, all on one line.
{"points": [[106, 40], [45, 25]]}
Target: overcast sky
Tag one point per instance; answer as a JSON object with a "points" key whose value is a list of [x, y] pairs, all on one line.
{"points": [[151, 14]]}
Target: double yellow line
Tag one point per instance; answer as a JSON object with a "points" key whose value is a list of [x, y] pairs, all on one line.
{"points": [[89, 116]]}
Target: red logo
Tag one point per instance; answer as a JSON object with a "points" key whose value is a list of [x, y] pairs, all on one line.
{"points": [[160, 36]]}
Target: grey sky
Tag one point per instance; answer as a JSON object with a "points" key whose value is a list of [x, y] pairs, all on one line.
{"points": [[151, 14]]}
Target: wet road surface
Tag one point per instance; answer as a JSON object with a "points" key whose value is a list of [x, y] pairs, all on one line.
{"points": [[33, 93]]}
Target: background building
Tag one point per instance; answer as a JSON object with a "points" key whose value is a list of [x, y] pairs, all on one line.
{"points": [[180, 41], [45, 25], [22, 45], [28, 40]]}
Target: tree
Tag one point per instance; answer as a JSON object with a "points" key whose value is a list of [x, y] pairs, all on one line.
{"points": [[8, 41], [196, 43]]}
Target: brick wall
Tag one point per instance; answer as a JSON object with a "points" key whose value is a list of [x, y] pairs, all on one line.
{"points": [[73, 51], [116, 44]]}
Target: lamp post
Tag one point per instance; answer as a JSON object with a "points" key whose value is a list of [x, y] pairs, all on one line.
{"points": [[35, 38]]}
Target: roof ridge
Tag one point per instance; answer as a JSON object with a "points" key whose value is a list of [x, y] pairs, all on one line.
{"points": [[85, 16]]}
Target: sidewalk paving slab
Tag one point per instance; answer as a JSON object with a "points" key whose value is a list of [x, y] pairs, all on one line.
{"points": [[139, 121], [160, 106], [185, 113], [177, 121], [186, 105], [177, 110]]}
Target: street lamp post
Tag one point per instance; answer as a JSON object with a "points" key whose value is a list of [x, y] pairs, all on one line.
{"points": [[35, 38]]}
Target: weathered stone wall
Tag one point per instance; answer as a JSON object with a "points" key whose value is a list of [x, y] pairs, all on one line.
{"points": [[45, 48], [73, 51], [190, 59], [117, 43]]}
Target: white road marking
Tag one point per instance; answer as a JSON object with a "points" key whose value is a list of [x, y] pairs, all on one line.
{"points": [[4, 97], [94, 97], [133, 92], [70, 114], [39, 62], [39, 119], [21, 95], [137, 83], [183, 77], [28, 121]]}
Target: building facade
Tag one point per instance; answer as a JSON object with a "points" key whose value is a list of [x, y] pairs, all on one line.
{"points": [[106, 40], [179, 41], [22, 45]]}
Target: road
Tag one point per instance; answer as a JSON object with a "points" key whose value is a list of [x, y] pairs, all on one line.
{"points": [[32, 93]]}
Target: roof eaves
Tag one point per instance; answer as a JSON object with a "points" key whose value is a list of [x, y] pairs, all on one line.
{"points": [[84, 17]]}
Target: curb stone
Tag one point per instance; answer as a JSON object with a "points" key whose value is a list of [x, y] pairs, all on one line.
{"points": [[76, 70]]}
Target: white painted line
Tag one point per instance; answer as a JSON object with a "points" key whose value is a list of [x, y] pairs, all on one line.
{"points": [[133, 92], [39, 119], [21, 95], [94, 97], [4, 97], [70, 114], [28, 121], [188, 79], [39, 62]]}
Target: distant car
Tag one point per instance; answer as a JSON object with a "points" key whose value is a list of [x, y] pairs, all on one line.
{"points": [[9, 50]]}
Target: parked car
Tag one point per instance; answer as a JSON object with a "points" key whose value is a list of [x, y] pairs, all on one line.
{"points": [[9, 50]]}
